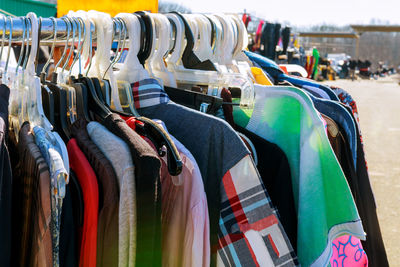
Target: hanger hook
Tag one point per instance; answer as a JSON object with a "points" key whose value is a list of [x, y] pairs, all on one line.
{"points": [[124, 40], [90, 47], [43, 74], [67, 23], [79, 44], [9, 45], [72, 45], [4, 36], [28, 27], [82, 23], [118, 25], [21, 53]]}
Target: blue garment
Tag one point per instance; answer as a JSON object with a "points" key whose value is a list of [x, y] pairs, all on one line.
{"points": [[343, 118], [301, 82], [59, 179], [273, 69]]}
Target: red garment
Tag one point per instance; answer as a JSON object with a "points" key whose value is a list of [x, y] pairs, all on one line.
{"points": [[246, 19], [131, 121], [90, 190]]}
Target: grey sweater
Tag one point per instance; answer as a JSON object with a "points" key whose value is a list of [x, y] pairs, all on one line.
{"points": [[118, 153]]}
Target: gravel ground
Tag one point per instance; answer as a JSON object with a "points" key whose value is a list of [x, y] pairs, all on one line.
{"points": [[379, 109]]}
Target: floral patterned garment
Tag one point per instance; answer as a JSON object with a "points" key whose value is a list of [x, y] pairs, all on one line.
{"points": [[348, 252]]}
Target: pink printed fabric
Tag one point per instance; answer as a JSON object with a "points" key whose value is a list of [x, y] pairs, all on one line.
{"points": [[348, 252]]}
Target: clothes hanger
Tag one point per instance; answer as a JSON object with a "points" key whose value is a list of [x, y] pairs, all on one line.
{"points": [[184, 94], [96, 106], [156, 63], [214, 81], [240, 61], [80, 88], [148, 128], [189, 59], [89, 100], [174, 58], [146, 48], [6, 80], [47, 94], [103, 86], [16, 108], [68, 115], [104, 41], [227, 41], [80, 110], [203, 50], [59, 91], [35, 108], [194, 27], [131, 69], [124, 87]]}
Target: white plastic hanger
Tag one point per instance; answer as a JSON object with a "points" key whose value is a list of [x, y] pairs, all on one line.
{"points": [[212, 79], [35, 108], [124, 87], [174, 59], [156, 60], [203, 50], [195, 29], [227, 42], [131, 70], [101, 60], [239, 58], [217, 38]]}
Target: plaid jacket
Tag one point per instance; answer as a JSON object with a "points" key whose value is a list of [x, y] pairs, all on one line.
{"points": [[250, 233]]}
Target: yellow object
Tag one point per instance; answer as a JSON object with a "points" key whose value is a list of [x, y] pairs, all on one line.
{"points": [[112, 7], [260, 76]]}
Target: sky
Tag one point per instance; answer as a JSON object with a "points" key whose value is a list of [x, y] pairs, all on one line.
{"points": [[304, 12]]}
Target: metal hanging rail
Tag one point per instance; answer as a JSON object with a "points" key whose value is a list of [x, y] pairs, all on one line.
{"points": [[46, 31]]}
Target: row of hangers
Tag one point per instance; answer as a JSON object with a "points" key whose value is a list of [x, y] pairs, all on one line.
{"points": [[177, 50]]}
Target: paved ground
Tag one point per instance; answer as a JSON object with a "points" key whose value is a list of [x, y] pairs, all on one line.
{"points": [[379, 109]]}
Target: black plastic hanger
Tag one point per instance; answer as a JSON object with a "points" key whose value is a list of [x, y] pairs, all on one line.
{"points": [[60, 109], [193, 99], [99, 90], [142, 36], [160, 138], [47, 94], [81, 100], [212, 31], [145, 52], [96, 105], [80, 89], [189, 59]]}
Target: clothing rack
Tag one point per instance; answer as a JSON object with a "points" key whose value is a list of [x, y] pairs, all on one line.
{"points": [[15, 24]]}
